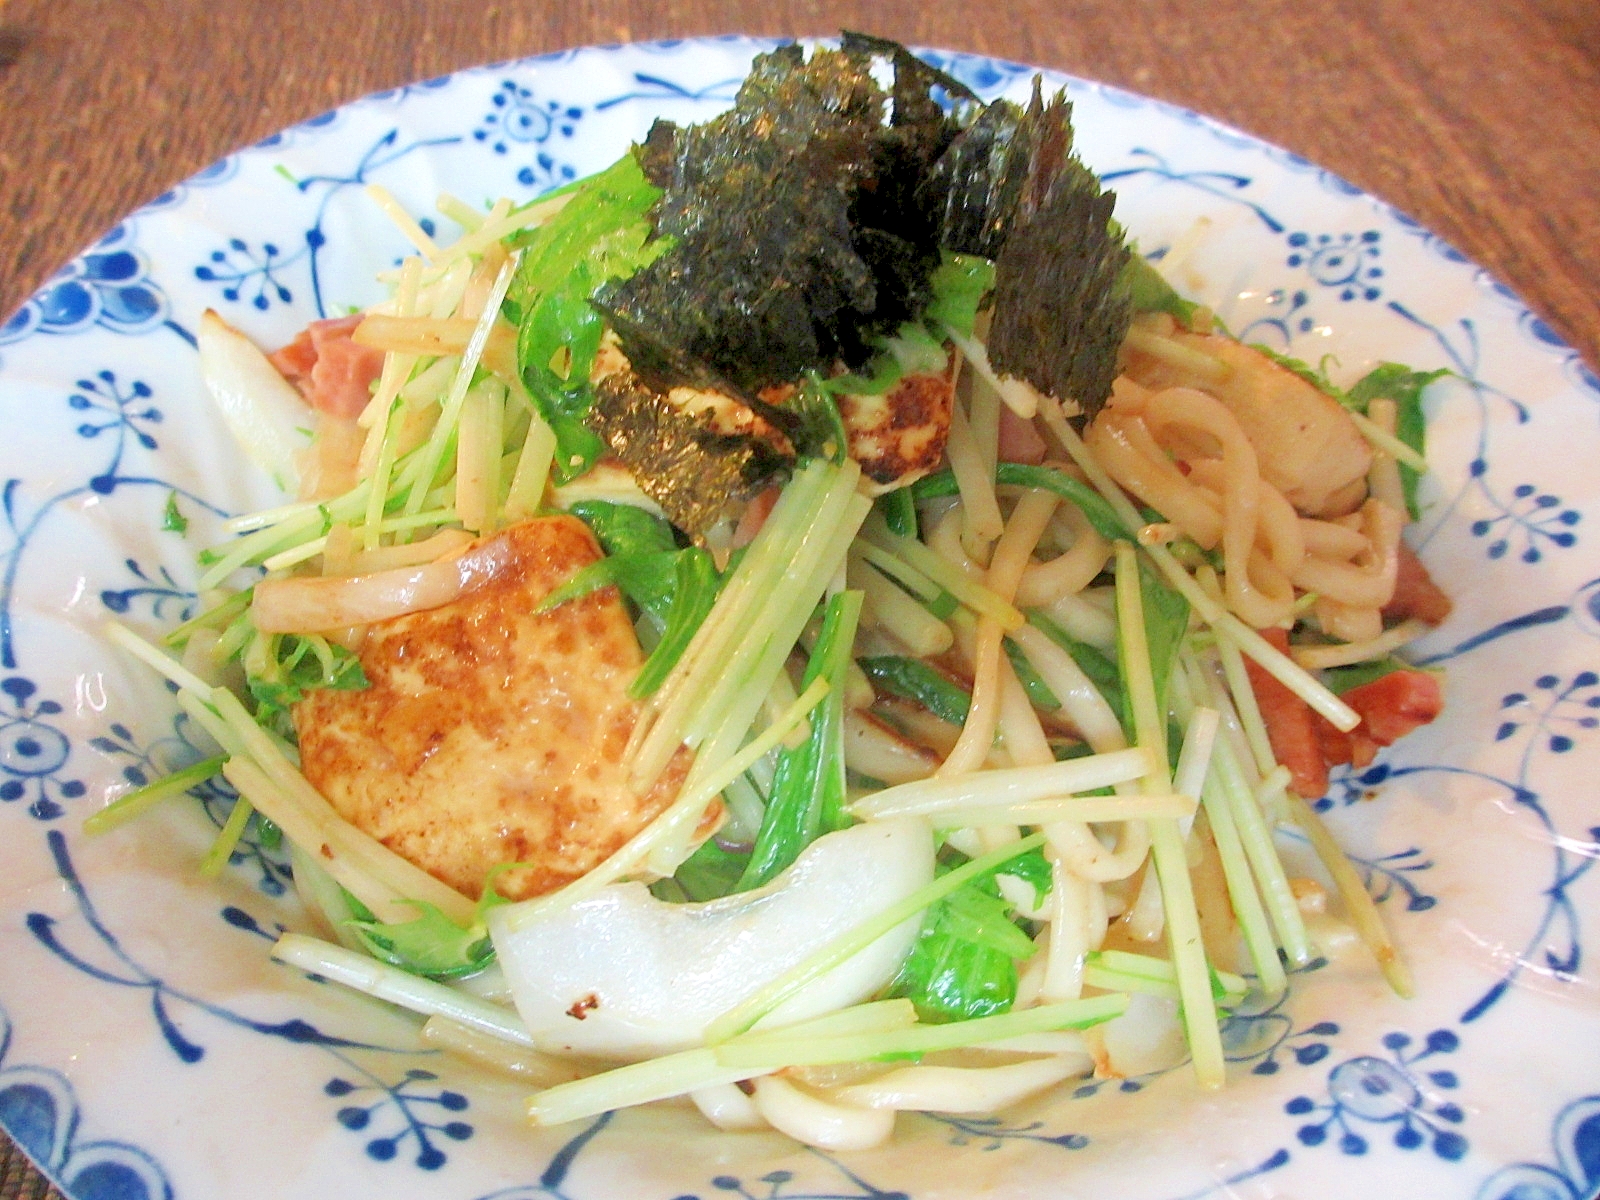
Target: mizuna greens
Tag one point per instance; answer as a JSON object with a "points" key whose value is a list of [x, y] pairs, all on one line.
{"points": [[930, 509]]}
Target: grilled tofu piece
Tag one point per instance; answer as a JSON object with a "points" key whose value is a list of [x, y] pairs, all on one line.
{"points": [[491, 733], [899, 436]]}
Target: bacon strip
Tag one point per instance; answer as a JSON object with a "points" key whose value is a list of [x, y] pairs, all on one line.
{"points": [[1291, 726], [333, 373], [1415, 593], [1308, 744]]}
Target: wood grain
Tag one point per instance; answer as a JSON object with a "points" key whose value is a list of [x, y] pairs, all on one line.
{"points": [[1479, 118]]}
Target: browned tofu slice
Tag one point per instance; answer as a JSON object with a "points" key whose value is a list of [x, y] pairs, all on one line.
{"points": [[899, 436], [491, 733]]}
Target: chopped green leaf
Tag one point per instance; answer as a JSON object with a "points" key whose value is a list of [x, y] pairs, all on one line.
{"points": [[821, 431], [899, 509], [280, 668], [912, 679], [173, 521], [808, 786], [1039, 693], [711, 872], [1091, 503], [1033, 868], [624, 528], [960, 285], [1149, 291], [1394, 381], [1342, 679], [432, 945], [1100, 669], [964, 961], [695, 584], [602, 233]]}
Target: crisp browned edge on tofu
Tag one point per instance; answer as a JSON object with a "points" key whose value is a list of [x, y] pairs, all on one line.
{"points": [[491, 733]]}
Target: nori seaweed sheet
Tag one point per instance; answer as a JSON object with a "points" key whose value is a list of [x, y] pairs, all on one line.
{"points": [[686, 466], [802, 227], [1012, 190], [807, 221]]}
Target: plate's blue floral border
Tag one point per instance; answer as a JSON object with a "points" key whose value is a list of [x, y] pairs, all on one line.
{"points": [[1352, 1104]]}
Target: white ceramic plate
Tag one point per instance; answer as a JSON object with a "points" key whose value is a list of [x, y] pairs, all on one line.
{"points": [[148, 1048]]}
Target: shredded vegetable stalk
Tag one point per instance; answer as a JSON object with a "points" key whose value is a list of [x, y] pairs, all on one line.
{"points": [[1243, 894], [1364, 914], [731, 663], [366, 974], [422, 478], [1255, 832], [675, 1074], [1166, 838]]}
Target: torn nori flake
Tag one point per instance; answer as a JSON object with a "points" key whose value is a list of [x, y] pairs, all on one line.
{"points": [[802, 230], [1013, 190], [693, 471]]}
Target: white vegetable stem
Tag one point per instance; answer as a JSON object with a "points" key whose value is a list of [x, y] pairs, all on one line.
{"points": [[1008, 786], [1166, 838], [742, 1016], [263, 411], [366, 974]]}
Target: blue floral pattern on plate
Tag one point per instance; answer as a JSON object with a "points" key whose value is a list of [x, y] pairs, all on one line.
{"points": [[1483, 1087]]}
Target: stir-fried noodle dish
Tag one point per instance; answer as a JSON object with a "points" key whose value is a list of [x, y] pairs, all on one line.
{"points": [[807, 621]]}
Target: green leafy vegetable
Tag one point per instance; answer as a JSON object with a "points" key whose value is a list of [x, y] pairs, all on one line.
{"points": [[173, 521], [602, 233], [1149, 291], [1091, 503], [1101, 670], [280, 668], [1342, 679], [431, 945], [821, 432], [960, 285], [1033, 868], [1039, 693], [695, 584], [711, 872], [808, 786], [1393, 381], [899, 509], [644, 576], [912, 679], [624, 528], [964, 961]]}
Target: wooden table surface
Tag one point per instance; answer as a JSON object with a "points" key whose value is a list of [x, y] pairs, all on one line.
{"points": [[1479, 118]]}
